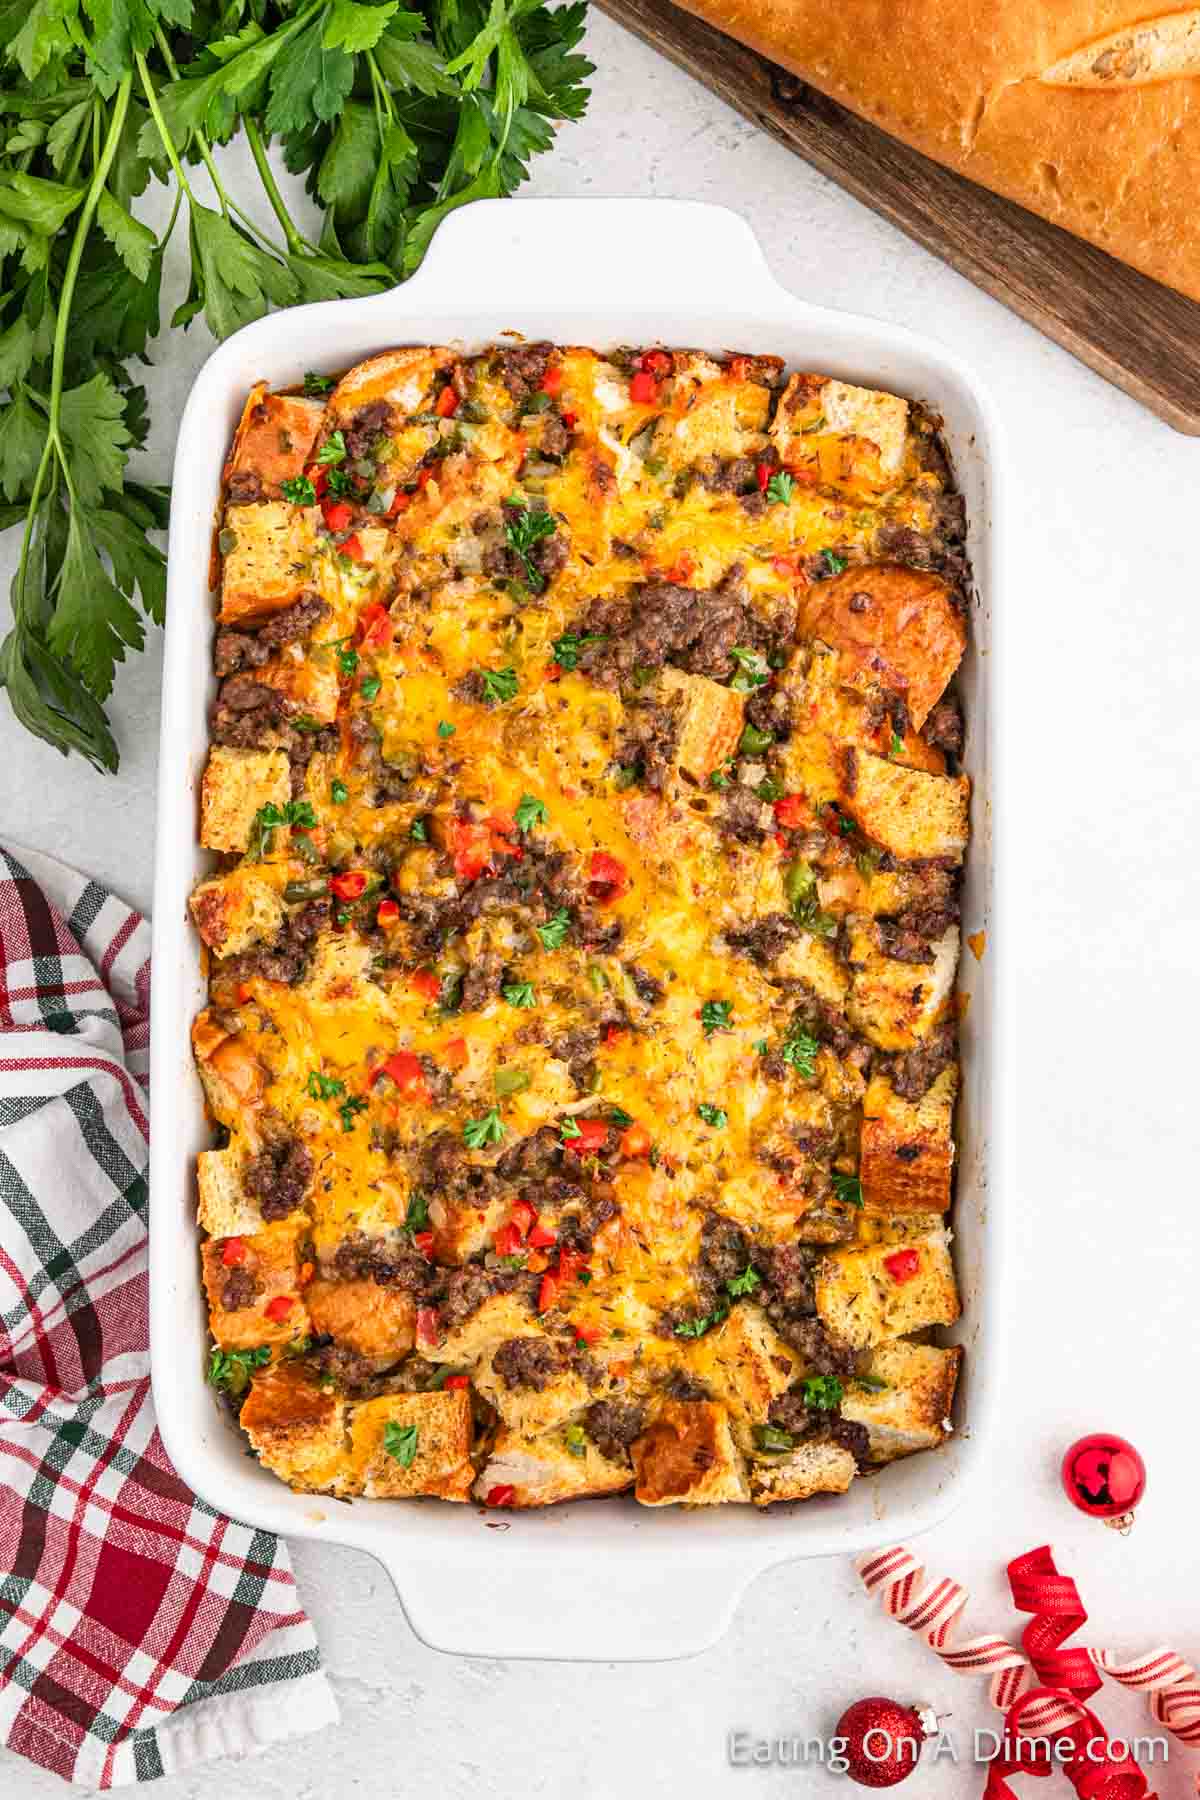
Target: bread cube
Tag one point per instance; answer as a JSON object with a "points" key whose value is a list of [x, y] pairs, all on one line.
{"points": [[810, 1469], [431, 1446], [907, 1150], [297, 1429], [907, 811], [911, 1410], [236, 783], [710, 721], [232, 1076], [688, 1456], [404, 378], [225, 1209], [894, 626], [711, 412], [233, 911], [271, 1260], [745, 1364], [270, 563], [274, 438], [528, 1410], [849, 435], [377, 1322], [882, 1291], [897, 1004], [309, 682], [461, 1231], [809, 959], [501, 1316], [543, 1470]]}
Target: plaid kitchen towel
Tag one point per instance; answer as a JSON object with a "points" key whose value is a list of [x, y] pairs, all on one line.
{"points": [[140, 1632]]}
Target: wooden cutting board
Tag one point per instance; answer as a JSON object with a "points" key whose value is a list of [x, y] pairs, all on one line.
{"points": [[1136, 333]]}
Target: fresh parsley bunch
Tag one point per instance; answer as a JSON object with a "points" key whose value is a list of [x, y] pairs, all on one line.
{"points": [[393, 116]]}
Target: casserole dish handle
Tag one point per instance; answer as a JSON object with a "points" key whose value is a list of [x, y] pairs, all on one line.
{"points": [[480, 1601], [690, 256]]}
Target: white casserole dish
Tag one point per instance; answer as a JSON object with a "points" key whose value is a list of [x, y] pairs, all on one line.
{"points": [[626, 1582]]}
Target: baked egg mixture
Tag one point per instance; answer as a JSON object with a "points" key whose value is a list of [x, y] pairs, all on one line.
{"points": [[581, 1037]]}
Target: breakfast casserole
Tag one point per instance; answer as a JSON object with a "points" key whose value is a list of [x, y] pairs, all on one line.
{"points": [[582, 930]]}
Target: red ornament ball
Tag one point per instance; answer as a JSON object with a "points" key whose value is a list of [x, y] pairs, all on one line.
{"points": [[1104, 1476], [882, 1740]]}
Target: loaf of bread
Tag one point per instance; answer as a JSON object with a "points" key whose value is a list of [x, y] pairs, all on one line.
{"points": [[1086, 111]]}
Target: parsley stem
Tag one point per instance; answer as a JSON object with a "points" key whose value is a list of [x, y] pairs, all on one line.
{"points": [[168, 142], [295, 242]]}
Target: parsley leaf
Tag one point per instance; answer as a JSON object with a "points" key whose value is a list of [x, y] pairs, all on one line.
{"points": [[316, 385], [487, 1130], [401, 1441], [800, 1051], [753, 670], [696, 1328], [530, 812], [499, 685], [713, 1115], [716, 1015], [369, 688], [333, 450], [445, 729], [229, 1370], [568, 1129], [554, 931], [847, 1188], [339, 793], [323, 1087], [567, 647], [780, 488], [523, 529], [349, 1109], [835, 564], [519, 993], [822, 1393], [299, 490], [416, 1216], [262, 828], [745, 1283]]}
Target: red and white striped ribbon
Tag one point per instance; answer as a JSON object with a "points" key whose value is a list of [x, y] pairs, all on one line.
{"points": [[932, 1607]]}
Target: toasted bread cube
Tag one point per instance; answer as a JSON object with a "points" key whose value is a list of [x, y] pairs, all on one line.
{"points": [[377, 1322], [809, 1469], [236, 783], [745, 1364], [688, 1455], [710, 721], [907, 1150], [910, 813], [233, 911], [274, 438], [404, 378], [233, 1077], [272, 1260], [298, 1430], [853, 435], [711, 412], [530, 1411], [501, 1316], [309, 683], [809, 959], [912, 1410], [897, 1004], [225, 1208], [895, 626], [543, 1470], [461, 1231], [270, 564], [437, 1460], [882, 1291]]}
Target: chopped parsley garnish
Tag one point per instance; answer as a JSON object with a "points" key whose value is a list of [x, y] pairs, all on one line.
{"points": [[499, 685], [770, 789], [780, 488], [418, 831], [897, 744], [400, 1441], [323, 1087], [554, 931], [753, 670], [530, 812], [718, 779], [487, 1130], [445, 728], [808, 915], [800, 1052], [349, 1110], [369, 688], [568, 1129], [847, 1189], [299, 490], [713, 1115], [619, 1117], [833, 562], [522, 530], [315, 384], [230, 1369], [519, 993], [339, 484], [567, 647], [822, 1392], [333, 450], [262, 829], [416, 1216], [762, 1046], [745, 1283], [347, 659], [696, 1328], [716, 1015], [339, 793]]}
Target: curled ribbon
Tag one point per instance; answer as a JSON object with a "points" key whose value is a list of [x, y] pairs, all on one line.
{"points": [[1040, 1688]]}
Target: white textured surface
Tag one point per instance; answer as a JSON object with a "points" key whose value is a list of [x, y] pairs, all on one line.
{"points": [[1100, 738]]}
